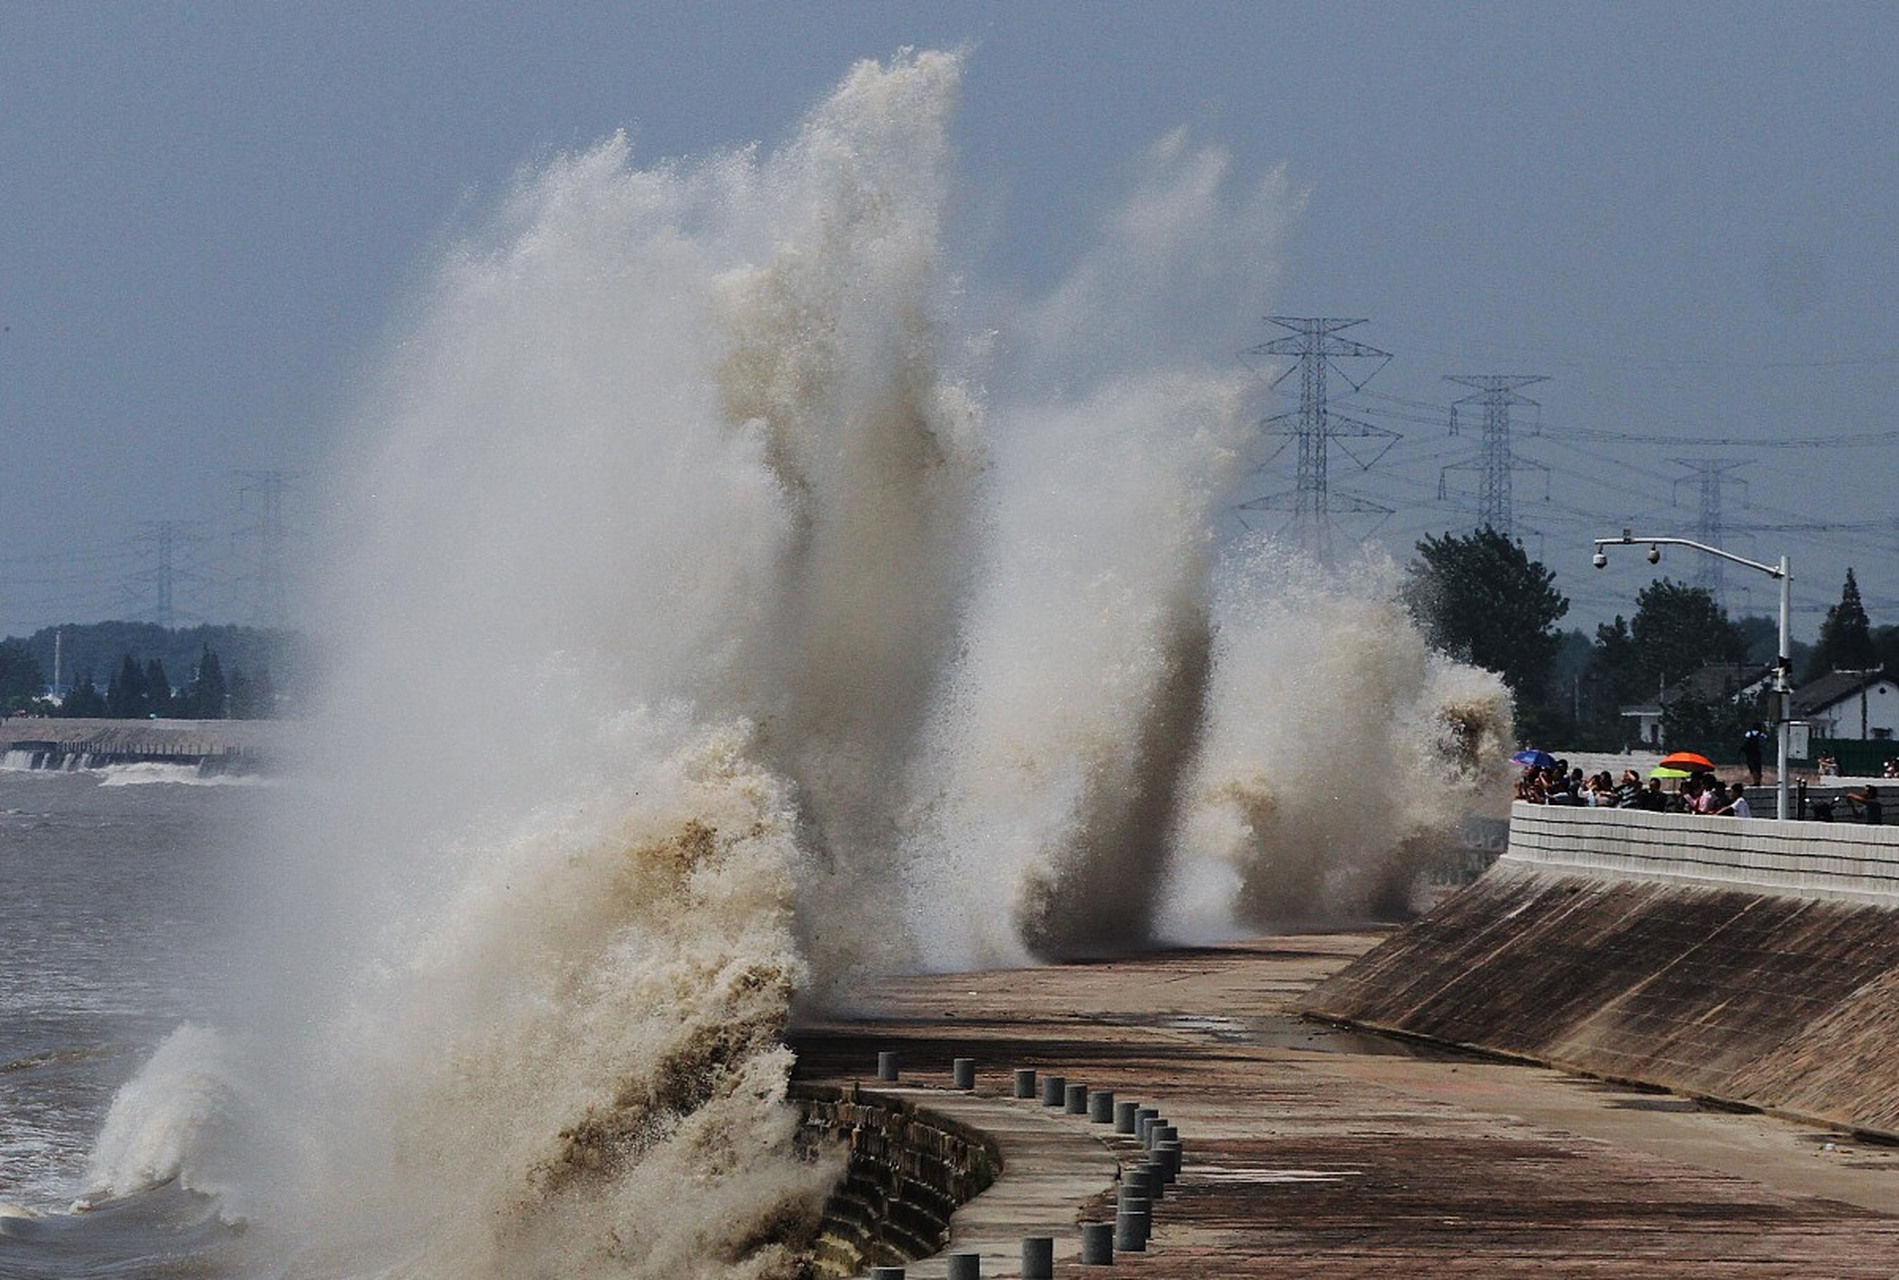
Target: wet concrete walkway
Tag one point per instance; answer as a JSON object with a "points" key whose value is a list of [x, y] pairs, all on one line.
{"points": [[1315, 1152]]}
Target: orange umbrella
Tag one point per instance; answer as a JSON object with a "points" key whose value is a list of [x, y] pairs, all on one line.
{"points": [[1687, 760]]}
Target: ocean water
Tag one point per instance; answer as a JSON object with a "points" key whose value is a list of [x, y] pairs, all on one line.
{"points": [[736, 598], [113, 923]]}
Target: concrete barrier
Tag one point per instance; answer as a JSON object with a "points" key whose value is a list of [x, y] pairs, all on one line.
{"points": [[1749, 961], [1831, 861]]}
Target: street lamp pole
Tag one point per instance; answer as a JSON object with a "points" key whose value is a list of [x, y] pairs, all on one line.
{"points": [[1783, 664]]}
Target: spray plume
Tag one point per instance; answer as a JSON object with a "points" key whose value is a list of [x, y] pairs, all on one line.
{"points": [[709, 642]]}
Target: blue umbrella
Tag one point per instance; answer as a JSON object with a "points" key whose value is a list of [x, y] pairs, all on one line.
{"points": [[1533, 759]]}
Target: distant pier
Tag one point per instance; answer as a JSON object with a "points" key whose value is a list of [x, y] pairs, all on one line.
{"points": [[210, 746]]}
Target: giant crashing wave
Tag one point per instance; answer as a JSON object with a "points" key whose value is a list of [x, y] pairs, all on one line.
{"points": [[719, 631]]}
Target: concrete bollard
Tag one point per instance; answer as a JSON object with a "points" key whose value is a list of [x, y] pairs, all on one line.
{"points": [[1170, 1154], [1130, 1230], [1076, 1101], [1144, 1120], [1163, 1133], [1158, 1186], [1124, 1116], [1038, 1258], [886, 1064], [965, 1266], [1097, 1244], [1138, 1180], [1025, 1082], [963, 1073], [1054, 1090], [1101, 1106], [886, 1273]]}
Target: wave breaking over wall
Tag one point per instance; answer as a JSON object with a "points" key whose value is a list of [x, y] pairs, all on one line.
{"points": [[718, 625]]}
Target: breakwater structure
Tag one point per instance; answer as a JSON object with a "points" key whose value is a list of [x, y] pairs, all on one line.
{"points": [[908, 1169], [212, 747], [1747, 963]]}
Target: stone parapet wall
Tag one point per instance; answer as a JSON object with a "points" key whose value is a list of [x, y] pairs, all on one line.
{"points": [[908, 1170], [1836, 861]]}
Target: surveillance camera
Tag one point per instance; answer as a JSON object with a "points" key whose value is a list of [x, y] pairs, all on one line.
{"points": [[1654, 555], [1601, 561]]}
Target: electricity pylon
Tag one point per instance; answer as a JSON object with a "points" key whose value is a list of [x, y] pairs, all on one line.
{"points": [[1312, 501], [1495, 461]]}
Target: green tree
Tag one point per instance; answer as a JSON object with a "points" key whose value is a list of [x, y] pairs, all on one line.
{"points": [[252, 697], [1613, 679], [1886, 647], [1689, 719], [1762, 635], [21, 679], [1482, 599], [1677, 630], [206, 697], [1846, 637], [84, 701], [125, 692], [158, 693]]}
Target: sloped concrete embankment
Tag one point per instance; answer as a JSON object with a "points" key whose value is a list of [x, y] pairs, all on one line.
{"points": [[1751, 962]]}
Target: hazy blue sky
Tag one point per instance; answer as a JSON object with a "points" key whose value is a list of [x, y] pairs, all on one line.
{"points": [[1682, 214]]}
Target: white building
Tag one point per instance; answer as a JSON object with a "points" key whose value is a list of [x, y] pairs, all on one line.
{"points": [[1743, 683], [1861, 706]]}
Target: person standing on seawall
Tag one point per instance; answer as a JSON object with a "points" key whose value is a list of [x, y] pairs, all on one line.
{"points": [[1751, 743]]}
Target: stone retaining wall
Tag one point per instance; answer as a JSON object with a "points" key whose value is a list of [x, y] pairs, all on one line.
{"points": [[1754, 962], [909, 1170]]}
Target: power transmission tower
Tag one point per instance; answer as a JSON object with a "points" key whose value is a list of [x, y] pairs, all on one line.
{"points": [[1319, 350], [164, 538], [1495, 461], [1710, 475], [270, 605]]}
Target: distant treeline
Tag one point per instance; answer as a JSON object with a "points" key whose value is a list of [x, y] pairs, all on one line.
{"points": [[135, 670]]}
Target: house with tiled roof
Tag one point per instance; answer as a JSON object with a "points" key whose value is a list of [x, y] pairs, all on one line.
{"points": [[1859, 706], [1741, 682]]}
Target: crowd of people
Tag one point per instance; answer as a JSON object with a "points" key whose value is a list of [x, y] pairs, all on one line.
{"points": [[1698, 793], [1703, 792]]}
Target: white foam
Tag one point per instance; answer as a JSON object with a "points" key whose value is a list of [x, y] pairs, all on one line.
{"points": [[708, 640]]}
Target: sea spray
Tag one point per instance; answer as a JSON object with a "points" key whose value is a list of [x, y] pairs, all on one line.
{"points": [[174, 1122], [591, 1027], [1048, 791], [1079, 694], [706, 641], [1339, 749], [671, 441], [833, 364]]}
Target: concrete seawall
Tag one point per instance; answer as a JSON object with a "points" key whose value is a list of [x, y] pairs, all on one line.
{"points": [[211, 746], [1755, 963]]}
